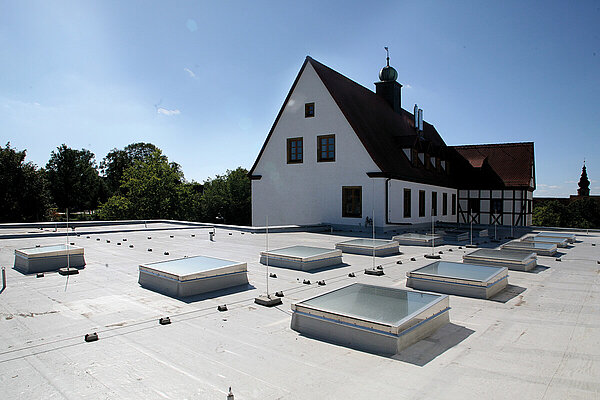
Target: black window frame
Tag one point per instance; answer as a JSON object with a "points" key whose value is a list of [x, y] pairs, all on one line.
{"points": [[434, 205], [474, 205], [407, 203], [444, 203], [453, 203], [494, 208], [422, 211], [354, 195]]}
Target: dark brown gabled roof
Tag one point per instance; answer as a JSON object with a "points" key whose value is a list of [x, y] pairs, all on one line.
{"points": [[513, 163], [382, 131]]}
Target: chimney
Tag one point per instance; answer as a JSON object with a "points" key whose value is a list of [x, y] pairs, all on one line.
{"points": [[387, 87]]}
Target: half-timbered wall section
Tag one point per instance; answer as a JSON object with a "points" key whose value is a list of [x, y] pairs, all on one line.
{"points": [[496, 207]]}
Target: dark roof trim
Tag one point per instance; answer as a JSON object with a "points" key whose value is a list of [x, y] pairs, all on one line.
{"points": [[391, 175], [255, 177], [287, 98]]}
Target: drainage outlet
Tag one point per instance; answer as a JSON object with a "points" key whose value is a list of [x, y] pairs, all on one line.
{"points": [[91, 337], [374, 271], [222, 307], [267, 301], [164, 321]]}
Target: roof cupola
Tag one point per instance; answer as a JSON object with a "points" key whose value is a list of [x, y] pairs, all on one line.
{"points": [[387, 87]]}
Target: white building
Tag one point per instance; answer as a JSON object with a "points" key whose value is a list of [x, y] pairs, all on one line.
{"points": [[340, 154]]}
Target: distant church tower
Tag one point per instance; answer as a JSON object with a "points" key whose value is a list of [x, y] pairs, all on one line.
{"points": [[584, 183]]}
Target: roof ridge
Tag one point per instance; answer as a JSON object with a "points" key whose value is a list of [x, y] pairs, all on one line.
{"points": [[506, 144]]}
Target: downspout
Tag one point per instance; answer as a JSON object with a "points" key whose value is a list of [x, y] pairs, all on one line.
{"points": [[387, 202]]}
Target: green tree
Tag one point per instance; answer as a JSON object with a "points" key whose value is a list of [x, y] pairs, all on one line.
{"points": [[115, 163], [584, 213], [228, 196], [73, 178], [190, 201], [151, 188], [551, 213], [116, 207], [23, 188]]}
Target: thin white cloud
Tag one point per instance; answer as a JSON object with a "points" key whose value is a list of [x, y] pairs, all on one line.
{"points": [[190, 73], [191, 25], [166, 112], [407, 86]]}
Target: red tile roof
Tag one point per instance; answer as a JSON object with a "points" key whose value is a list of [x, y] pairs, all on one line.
{"points": [[512, 162]]}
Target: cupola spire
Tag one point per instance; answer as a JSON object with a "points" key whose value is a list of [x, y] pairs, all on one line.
{"points": [[584, 183]]}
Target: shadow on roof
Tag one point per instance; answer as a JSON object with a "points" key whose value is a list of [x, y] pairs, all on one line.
{"points": [[216, 293], [426, 350], [509, 293]]}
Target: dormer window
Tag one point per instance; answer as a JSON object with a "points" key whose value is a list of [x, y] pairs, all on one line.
{"points": [[433, 163], [309, 110], [408, 153], [422, 158], [443, 165]]}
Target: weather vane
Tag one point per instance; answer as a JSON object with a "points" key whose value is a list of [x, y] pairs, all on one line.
{"points": [[387, 51]]}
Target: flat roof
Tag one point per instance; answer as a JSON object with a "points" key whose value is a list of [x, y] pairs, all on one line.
{"points": [[423, 236], [526, 343], [302, 252], [502, 255], [557, 234], [466, 271], [192, 267], [55, 249], [546, 239], [531, 245], [369, 243]]}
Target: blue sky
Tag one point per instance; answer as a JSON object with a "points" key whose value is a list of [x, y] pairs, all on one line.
{"points": [[204, 80]]}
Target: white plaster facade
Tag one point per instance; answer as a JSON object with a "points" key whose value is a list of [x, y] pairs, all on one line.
{"points": [[311, 192], [396, 203]]}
